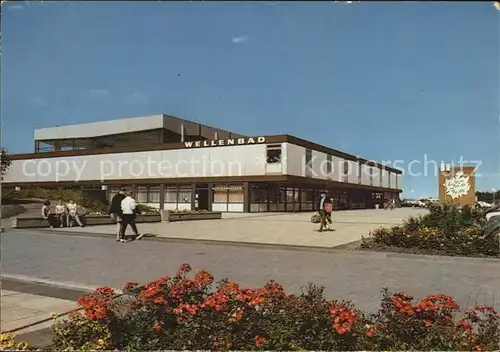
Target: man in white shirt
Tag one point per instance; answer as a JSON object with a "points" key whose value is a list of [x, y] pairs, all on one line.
{"points": [[128, 218]]}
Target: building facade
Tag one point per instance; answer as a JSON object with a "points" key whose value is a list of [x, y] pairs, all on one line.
{"points": [[171, 163]]}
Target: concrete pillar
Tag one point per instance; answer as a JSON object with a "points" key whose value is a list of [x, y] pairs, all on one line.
{"points": [[162, 196], [246, 197], [193, 196]]}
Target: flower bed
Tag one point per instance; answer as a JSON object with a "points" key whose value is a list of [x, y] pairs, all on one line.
{"points": [[184, 215], [446, 230], [181, 313]]}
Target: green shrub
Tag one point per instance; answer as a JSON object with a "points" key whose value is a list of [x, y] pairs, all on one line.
{"points": [[181, 313], [145, 209], [80, 197], [445, 230]]}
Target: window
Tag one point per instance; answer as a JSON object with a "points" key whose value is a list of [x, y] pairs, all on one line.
{"points": [[329, 165], [308, 157], [272, 193], [154, 194], [346, 170], [235, 194], [371, 176], [171, 194], [308, 162], [219, 194], [148, 194], [397, 181], [389, 177], [184, 194], [282, 197], [258, 194], [360, 167], [273, 154], [381, 177], [142, 194], [306, 196]]}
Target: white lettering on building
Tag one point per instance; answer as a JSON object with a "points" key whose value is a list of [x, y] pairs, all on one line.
{"points": [[223, 142]]}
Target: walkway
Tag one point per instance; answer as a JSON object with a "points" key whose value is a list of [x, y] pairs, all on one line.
{"points": [[273, 228]]}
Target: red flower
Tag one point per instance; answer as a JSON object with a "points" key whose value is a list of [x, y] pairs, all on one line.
{"points": [[183, 269], [235, 317], [427, 323], [105, 291], [95, 304], [217, 301], [343, 318], [369, 333], [157, 326], [160, 300], [204, 278], [259, 341], [479, 347], [130, 286], [486, 309], [464, 324]]}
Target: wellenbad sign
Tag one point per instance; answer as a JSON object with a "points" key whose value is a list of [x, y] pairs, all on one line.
{"points": [[223, 142]]}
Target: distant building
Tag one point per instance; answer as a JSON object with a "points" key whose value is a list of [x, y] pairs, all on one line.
{"points": [[172, 163]]}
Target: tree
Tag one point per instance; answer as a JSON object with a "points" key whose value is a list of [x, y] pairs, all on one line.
{"points": [[487, 196], [5, 163]]}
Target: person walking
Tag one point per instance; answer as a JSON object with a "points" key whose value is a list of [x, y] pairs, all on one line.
{"points": [[115, 210], [325, 204], [393, 204], [73, 213], [329, 210], [128, 218], [61, 213]]}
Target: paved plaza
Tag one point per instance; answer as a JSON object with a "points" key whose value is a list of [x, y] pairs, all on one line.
{"points": [[293, 229]]}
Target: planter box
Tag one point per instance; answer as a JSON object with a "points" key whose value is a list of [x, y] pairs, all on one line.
{"points": [[90, 220], [186, 216]]}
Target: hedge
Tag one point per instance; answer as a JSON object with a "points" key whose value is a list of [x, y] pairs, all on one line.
{"points": [[183, 313], [445, 230]]}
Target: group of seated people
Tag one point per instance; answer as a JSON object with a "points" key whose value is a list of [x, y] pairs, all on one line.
{"points": [[63, 214]]}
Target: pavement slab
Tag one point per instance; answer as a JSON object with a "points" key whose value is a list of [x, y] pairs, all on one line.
{"points": [[22, 309]]}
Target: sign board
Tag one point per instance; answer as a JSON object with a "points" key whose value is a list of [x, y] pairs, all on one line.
{"points": [[225, 142], [457, 186]]}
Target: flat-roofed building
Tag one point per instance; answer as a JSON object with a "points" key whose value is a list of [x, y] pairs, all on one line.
{"points": [[172, 163]]}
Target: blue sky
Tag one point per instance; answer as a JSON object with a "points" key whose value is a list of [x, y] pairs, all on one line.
{"points": [[386, 81]]}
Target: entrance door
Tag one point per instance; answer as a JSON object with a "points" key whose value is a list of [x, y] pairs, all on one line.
{"points": [[202, 197]]}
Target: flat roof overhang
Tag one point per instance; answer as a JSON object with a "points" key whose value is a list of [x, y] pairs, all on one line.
{"points": [[271, 139], [289, 179], [126, 125]]}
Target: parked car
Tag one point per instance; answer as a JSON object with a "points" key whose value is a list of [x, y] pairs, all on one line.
{"points": [[484, 204], [493, 221]]}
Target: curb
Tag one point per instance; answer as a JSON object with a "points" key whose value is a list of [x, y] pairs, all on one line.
{"points": [[23, 279]]}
